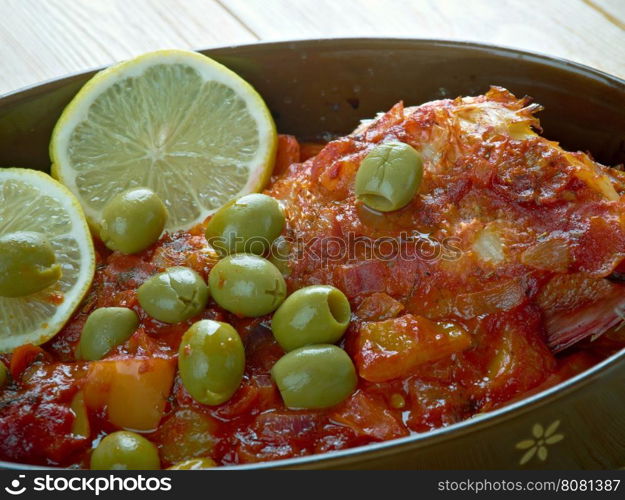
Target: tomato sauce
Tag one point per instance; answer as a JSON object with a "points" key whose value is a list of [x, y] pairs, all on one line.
{"points": [[442, 328]]}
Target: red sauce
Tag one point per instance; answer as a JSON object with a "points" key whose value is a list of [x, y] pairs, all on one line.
{"points": [[467, 336]]}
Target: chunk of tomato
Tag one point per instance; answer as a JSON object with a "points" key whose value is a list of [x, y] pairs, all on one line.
{"points": [[394, 348], [23, 357], [369, 416]]}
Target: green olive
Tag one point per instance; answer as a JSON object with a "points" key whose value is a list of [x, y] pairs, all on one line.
{"points": [[4, 374], [175, 295], [247, 225], [123, 450], [104, 329], [247, 285], [389, 176], [27, 264], [317, 314], [211, 360], [133, 220], [316, 376]]}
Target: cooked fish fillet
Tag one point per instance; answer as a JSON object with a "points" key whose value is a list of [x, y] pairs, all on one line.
{"points": [[513, 221]]}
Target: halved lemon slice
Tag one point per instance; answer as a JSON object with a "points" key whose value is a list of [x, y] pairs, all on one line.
{"points": [[174, 121], [34, 202]]}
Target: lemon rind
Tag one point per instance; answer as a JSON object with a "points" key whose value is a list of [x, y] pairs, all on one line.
{"points": [[72, 299]]}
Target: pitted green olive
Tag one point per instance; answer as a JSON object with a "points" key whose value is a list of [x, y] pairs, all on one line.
{"points": [[211, 361], [27, 264], [247, 285], [317, 314], [316, 376], [389, 176], [133, 220], [124, 450], [175, 295], [247, 225], [104, 329]]}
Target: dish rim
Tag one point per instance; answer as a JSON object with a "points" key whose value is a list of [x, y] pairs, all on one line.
{"points": [[504, 50], [432, 437]]}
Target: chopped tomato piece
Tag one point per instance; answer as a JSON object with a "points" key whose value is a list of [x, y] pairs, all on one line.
{"points": [[363, 277], [434, 404], [278, 434], [281, 427], [288, 152], [133, 392], [257, 394], [393, 348], [336, 178], [516, 358], [23, 357], [379, 306], [369, 417], [568, 367]]}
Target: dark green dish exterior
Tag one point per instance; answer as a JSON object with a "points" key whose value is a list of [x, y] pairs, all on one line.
{"points": [[317, 87]]}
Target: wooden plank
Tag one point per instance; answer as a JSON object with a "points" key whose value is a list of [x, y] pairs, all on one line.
{"points": [[571, 29], [612, 10], [43, 39]]}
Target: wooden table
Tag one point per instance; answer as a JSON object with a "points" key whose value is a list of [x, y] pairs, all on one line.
{"points": [[43, 39]]}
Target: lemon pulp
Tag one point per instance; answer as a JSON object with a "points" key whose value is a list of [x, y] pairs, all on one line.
{"points": [[174, 121], [33, 201]]}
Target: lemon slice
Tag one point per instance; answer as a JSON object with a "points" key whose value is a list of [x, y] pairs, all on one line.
{"points": [[33, 201], [174, 121]]}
